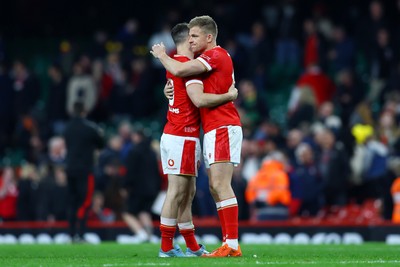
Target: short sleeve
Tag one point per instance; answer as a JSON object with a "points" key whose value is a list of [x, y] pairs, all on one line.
{"points": [[208, 59]]}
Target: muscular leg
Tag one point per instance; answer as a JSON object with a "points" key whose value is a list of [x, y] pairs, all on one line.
{"points": [[175, 197], [176, 193], [185, 223], [220, 177], [185, 209]]}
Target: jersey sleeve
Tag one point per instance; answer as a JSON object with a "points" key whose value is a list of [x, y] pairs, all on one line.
{"points": [[209, 59], [193, 79]]}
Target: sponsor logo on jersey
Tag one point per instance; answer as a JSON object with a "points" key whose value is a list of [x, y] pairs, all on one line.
{"points": [[171, 162], [174, 110]]}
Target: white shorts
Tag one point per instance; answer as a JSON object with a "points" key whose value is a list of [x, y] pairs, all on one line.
{"points": [[180, 155], [223, 145]]}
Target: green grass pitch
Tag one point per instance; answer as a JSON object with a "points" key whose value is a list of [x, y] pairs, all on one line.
{"points": [[115, 255]]}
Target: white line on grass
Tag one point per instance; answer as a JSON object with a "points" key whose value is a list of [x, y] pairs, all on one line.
{"points": [[137, 264], [319, 262]]}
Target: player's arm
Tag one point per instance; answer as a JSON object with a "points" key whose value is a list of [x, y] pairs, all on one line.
{"points": [[179, 69], [200, 99]]}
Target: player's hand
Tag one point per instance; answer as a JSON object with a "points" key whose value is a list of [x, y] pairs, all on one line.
{"points": [[158, 50], [169, 90], [233, 92]]}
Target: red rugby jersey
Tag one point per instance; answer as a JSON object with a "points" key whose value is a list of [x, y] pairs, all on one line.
{"points": [[183, 117], [217, 80]]}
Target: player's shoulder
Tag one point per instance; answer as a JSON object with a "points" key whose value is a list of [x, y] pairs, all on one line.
{"points": [[181, 58], [216, 52]]}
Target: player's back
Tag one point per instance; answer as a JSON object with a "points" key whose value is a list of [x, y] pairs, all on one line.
{"points": [[183, 118], [217, 80]]}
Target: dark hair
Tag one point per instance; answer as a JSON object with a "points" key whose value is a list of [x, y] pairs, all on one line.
{"points": [[180, 33], [79, 108]]}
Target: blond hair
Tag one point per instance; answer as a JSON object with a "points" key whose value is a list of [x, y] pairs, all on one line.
{"points": [[206, 24]]}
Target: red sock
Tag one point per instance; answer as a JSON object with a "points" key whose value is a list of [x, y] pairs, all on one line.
{"points": [[222, 220], [190, 239], [167, 237], [230, 212]]}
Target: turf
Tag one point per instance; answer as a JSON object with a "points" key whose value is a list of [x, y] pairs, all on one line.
{"points": [[114, 255]]}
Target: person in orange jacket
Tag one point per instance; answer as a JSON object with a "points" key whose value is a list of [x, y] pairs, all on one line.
{"points": [[395, 189], [268, 190]]}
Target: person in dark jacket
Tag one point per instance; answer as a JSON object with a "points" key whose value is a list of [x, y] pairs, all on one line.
{"points": [[142, 185], [82, 138]]}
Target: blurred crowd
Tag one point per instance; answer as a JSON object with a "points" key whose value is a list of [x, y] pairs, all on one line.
{"points": [[337, 151]]}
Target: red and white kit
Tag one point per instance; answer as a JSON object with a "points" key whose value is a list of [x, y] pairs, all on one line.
{"points": [[180, 144], [221, 124]]}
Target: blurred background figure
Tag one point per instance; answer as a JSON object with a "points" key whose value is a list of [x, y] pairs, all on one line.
{"points": [[268, 191], [8, 195], [98, 212], [306, 184], [56, 198], [142, 184], [82, 139]]}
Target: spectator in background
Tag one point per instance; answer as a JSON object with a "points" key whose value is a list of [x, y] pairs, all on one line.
{"points": [[369, 162], [8, 195], [28, 138], [252, 101], [348, 94], [327, 119], [113, 67], [57, 98], [55, 202], [268, 191], [141, 82], [293, 139], [98, 47], [313, 45], [395, 190], [388, 131], [306, 183], [382, 62], [320, 84], [121, 98], [259, 52], [82, 139], [342, 52], [114, 193], [125, 133], [301, 108], [31, 194], [98, 212], [238, 53], [105, 83], [81, 88], [368, 27], [333, 166], [26, 89], [287, 45], [109, 155], [143, 182], [7, 116], [128, 35], [162, 35], [56, 151], [252, 155]]}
